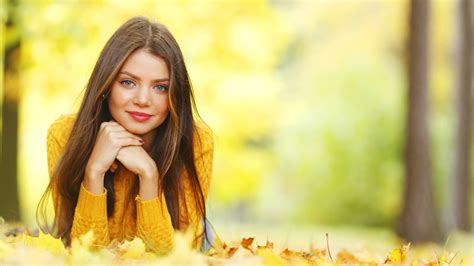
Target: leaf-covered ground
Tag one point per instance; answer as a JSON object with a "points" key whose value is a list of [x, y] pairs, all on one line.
{"points": [[44, 249]]}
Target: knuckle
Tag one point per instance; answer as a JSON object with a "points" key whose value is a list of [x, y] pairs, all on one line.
{"points": [[115, 143]]}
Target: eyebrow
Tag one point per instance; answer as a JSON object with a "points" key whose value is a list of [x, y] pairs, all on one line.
{"points": [[137, 78]]}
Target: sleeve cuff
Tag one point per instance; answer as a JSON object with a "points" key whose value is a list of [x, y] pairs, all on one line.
{"points": [[90, 205], [152, 211]]}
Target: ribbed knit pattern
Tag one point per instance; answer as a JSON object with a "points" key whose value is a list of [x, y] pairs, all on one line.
{"points": [[153, 222]]}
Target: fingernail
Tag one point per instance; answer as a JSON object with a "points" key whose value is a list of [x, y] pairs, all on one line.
{"points": [[142, 141]]}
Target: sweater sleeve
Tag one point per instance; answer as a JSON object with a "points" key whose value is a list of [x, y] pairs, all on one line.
{"points": [[91, 214], [54, 146], [154, 225], [204, 154], [91, 210]]}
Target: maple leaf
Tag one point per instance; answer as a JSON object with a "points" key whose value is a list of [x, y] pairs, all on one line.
{"points": [[246, 243]]}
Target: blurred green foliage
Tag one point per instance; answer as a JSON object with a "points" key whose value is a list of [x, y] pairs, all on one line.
{"points": [[307, 99]]}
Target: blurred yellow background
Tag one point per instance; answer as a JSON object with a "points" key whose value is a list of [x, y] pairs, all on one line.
{"points": [[306, 99]]}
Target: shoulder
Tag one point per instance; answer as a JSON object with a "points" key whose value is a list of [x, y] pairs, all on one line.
{"points": [[60, 129], [204, 138]]}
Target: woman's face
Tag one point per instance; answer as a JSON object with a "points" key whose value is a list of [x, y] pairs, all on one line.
{"points": [[139, 95]]}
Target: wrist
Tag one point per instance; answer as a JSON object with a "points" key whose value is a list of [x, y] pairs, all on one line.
{"points": [[148, 188], [94, 176], [150, 173], [93, 186], [92, 173]]}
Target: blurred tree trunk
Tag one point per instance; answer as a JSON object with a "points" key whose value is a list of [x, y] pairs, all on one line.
{"points": [[9, 200], [418, 220], [459, 195]]}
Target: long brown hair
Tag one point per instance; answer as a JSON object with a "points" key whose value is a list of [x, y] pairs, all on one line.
{"points": [[173, 147]]}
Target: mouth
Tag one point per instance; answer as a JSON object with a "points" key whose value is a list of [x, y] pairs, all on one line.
{"points": [[140, 117]]}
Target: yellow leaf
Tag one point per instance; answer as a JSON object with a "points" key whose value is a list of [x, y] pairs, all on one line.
{"points": [[345, 257], [134, 249], [270, 258], [398, 255], [44, 241], [5, 249], [183, 253], [81, 246]]}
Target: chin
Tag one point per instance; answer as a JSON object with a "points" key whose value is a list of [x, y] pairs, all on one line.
{"points": [[138, 131]]}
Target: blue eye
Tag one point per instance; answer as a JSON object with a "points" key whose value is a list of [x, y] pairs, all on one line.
{"points": [[127, 82], [161, 87]]}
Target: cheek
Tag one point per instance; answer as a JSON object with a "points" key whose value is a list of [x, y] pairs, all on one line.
{"points": [[162, 105], [118, 98], [113, 105]]}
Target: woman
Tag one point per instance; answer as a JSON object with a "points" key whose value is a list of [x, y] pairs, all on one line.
{"points": [[133, 161]]}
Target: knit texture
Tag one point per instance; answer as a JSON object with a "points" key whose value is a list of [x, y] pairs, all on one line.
{"points": [[153, 221]]}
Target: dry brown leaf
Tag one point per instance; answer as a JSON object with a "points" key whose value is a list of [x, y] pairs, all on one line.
{"points": [[247, 243]]}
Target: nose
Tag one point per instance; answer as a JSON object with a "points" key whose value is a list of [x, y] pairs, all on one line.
{"points": [[142, 97]]}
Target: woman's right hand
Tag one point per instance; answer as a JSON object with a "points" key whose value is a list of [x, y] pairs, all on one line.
{"points": [[110, 139]]}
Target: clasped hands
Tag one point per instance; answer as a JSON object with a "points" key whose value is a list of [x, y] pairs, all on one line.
{"points": [[113, 143]]}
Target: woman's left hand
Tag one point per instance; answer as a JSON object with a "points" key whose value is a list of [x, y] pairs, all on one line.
{"points": [[137, 160]]}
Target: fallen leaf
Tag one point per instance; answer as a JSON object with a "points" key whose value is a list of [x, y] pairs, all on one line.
{"points": [[247, 243], [398, 255]]}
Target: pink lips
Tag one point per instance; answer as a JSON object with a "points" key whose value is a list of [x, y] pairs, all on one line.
{"points": [[140, 117]]}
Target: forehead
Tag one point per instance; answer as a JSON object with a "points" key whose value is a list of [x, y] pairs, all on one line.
{"points": [[145, 65]]}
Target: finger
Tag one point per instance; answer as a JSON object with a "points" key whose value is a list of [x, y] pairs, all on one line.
{"points": [[130, 142], [124, 134], [107, 124], [113, 166], [117, 132], [111, 127]]}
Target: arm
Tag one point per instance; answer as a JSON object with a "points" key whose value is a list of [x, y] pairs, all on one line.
{"points": [[91, 214], [91, 208], [204, 155], [154, 225], [91, 211]]}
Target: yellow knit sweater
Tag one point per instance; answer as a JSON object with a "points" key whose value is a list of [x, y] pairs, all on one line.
{"points": [[153, 222]]}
